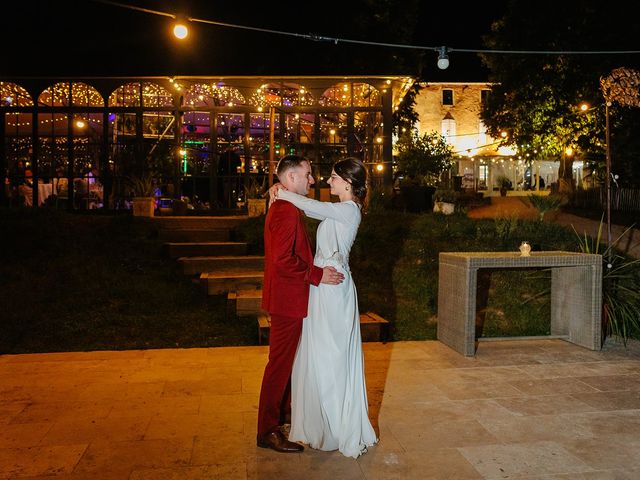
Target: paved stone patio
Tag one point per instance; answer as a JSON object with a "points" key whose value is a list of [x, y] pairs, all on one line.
{"points": [[526, 409]]}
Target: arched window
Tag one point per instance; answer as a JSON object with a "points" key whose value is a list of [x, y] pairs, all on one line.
{"points": [[66, 94], [351, 94], [482, 134], [448, 128], [145, 94], [281, 94], [209, 95], [13, 95]]}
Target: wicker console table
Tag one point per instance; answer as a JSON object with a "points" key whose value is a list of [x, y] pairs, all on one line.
{"points": [[576, 294]]}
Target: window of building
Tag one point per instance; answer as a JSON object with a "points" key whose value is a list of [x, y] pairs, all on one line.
{"points": [[447, 96], [484, 96], [448, 127], [482, 134], [483, 176]]}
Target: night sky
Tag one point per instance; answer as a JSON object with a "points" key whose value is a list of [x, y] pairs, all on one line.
{"points": [[86, 38]]}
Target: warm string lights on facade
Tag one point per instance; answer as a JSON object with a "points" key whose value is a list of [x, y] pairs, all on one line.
{"points": [[152, 95]]}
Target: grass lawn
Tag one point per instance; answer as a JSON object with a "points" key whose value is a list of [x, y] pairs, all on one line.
{"points": [[90, 282]]}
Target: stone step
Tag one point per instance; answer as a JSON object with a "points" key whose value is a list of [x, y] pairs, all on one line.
{"points": [[216, 283], [195, 235], [373, 328], [199, 222], [198, 265], [245, 302], [194, 249]]}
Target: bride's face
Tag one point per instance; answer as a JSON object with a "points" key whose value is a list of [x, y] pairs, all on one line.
{"points": [[338, 185]]}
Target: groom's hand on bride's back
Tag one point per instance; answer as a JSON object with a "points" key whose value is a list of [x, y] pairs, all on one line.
{"points": [[331, 276]]}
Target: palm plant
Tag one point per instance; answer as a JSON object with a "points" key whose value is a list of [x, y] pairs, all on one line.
{"points": [[256, 189], [620, 294], [142, 185], [543, 203]]}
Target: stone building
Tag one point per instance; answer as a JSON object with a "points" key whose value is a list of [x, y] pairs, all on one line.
{"points": [[453, 110]]}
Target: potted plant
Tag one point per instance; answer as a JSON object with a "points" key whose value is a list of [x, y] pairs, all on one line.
{"points": [[421, 161], [444, 201], [255, 195], [504, 184], [144, 202]]}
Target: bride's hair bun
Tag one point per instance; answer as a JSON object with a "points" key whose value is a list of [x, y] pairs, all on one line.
{"points": [[353, 171]]}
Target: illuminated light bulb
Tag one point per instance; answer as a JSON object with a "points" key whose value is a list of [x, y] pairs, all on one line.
{"points": [[259, 109], [182, 152], [180, 31], [388, 82], [80, 123], [332, 131], [443, 58], [379, 139], [379, 167], [584, 107], [503, 134], [200, 97]]}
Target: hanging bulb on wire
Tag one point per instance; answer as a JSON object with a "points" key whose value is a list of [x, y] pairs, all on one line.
{"points": [[180, 29], [443, 58]]}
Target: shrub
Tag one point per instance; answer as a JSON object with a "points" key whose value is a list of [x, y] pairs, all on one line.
{"points": [[543, 203]]}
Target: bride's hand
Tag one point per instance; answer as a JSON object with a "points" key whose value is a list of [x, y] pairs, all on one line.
{"points": [[273, 192]]}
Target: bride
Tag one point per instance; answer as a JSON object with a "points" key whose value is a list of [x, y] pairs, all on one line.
{"points": [[329, 409]]}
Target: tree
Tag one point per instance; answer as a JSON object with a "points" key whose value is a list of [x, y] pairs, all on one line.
{"points": [[423, 159], [405, 117], [536, 98]]}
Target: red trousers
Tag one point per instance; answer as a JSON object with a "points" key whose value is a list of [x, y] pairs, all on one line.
{"points": [[275, 394]]}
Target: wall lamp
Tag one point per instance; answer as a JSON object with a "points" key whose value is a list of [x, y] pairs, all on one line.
{"points": [[443, 58]]}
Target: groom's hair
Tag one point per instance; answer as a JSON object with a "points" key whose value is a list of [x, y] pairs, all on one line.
{"points": [[287, 162]]}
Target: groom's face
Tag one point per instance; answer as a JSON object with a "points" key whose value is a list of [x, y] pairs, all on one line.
{"points": [[300, 178]]}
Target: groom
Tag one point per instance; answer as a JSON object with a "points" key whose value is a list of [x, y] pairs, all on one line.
{"points": [[288, 273]]}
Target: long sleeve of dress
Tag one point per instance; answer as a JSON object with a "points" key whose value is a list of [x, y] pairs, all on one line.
{"points": [[344, 212]]}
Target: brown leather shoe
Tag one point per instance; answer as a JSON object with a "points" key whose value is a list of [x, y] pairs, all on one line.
{"points": [[275, 440]]}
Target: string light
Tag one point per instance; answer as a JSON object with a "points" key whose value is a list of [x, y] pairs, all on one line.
{"points": [[180, 30], [443, 60]]}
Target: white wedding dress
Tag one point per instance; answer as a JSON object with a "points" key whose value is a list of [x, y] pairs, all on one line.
{"points": [[329, 409]]}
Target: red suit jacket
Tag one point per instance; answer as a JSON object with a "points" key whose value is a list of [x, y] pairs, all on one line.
{"points": [[288, 262]]}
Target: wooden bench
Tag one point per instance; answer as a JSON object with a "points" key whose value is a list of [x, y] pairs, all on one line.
{"points": [[373, 328]]}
